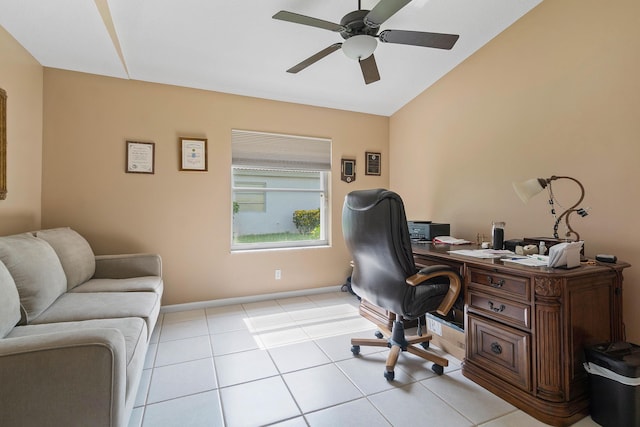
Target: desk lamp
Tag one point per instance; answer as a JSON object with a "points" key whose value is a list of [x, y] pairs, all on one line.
{"points": [[529, 188]]}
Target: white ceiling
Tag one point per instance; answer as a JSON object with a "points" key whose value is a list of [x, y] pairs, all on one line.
{"points": [[234, 46]]}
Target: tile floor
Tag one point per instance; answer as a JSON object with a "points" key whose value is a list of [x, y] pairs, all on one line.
{"points": [[287, 362]]}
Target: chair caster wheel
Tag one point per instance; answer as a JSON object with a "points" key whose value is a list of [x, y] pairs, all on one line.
{"points": [[378, 334], [438, 369], [425, 344], [355, 349], [389, 375]]}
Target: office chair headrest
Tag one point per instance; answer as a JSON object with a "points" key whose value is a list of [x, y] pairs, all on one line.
{"points": [[361, 200]]}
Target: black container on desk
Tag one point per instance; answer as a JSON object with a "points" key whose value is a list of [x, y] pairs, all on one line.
{"points": [[497, 235], [614, 384]]}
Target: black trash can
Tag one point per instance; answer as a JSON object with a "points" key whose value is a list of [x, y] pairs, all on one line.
{"points": [[614, 380]]}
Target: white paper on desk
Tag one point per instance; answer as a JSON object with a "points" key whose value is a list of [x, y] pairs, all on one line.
{"points": [[531, 260], [477, 253], [450, 240], [567, 253]]}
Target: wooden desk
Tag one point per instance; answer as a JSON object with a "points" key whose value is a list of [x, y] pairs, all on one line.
{"points": [[526, 328]]}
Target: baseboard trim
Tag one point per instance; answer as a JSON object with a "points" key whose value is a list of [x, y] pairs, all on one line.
{"points": [[245, 300]]}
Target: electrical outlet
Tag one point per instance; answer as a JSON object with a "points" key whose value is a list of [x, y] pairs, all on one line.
{"points": [[278, 274]]}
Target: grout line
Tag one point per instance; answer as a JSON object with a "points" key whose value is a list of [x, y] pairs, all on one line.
{"points": [[280, 374]]}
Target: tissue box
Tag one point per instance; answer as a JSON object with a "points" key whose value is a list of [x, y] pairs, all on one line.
{"points": [[566, 254]]}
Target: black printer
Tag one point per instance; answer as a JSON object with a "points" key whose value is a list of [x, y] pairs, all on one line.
{"points": [[427, 230]]}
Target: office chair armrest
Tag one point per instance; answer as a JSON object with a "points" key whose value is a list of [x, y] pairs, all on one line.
{"points": [[455, 284]]}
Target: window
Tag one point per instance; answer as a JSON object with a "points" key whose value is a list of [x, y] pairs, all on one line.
{"points": [[247, 200], [280, 190]]}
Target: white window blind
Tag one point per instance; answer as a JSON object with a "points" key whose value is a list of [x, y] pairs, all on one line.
{"points": [[275, 151]]}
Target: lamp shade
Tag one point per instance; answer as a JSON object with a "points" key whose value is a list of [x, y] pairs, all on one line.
{"points": [[359, 47], [529, 188]]}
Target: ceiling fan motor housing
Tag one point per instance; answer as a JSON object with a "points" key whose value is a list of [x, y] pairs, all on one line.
{"points": [[354, 25]]}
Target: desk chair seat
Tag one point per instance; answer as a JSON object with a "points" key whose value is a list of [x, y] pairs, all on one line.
{"points": [[384, 273]]}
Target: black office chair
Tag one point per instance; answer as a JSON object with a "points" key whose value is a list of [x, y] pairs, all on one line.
{"points": [[384, 273]]}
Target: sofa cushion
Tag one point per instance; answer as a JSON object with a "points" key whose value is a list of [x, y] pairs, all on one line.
{"points": [[36, 269], [73, 307], [134, 284], [9, 302], [133, 329], [75, 253]]}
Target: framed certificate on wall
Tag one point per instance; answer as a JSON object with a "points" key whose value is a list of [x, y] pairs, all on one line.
{"points": [[193, 154], [140, 157], [373, 163]]}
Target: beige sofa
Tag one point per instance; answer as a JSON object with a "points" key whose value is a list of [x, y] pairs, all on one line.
{"points": [[74, 329]]}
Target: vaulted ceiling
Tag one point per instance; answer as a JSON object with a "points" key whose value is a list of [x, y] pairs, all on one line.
{"points": [[236, 46]]}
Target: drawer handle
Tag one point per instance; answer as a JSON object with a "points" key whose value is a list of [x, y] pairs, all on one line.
{"points": [[497, 284], [497, 309], [496, 348]]}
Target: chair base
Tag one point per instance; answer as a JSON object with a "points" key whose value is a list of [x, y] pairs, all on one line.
{"points": [[396, 341]]}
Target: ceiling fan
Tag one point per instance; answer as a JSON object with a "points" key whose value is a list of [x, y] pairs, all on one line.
{"points": [[359, 29]]}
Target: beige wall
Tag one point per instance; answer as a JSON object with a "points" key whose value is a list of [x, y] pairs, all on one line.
{"points": [[185, 216], [21, 78], [556, 94]]}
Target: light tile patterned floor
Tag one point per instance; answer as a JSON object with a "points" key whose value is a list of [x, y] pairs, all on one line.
{"points": [[288, 362]]}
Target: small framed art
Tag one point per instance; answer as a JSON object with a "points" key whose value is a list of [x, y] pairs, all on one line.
{"points": [[3, 144], [140, 157], [373, 163], [348, 170], [193, 154]]}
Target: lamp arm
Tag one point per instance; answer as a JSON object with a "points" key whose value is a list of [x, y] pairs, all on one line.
{"points": [[569, 211], [566, 214]]}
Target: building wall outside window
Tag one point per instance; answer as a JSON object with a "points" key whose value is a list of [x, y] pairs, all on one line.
{"points": [[276, 213]]}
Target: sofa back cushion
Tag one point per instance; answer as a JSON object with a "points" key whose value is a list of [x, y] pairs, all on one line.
{"points": [[9, 302], [74, 252], [36, 270]]}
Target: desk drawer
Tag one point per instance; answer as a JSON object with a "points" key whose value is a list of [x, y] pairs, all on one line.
{"points": [[501, 350], [497, 308], [422, 261], [501, 284]]}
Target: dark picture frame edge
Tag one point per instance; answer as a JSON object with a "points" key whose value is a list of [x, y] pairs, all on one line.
{"points": [[193, 154], [373, 164], [140, 157]]}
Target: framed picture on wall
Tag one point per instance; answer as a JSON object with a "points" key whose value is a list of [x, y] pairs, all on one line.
{"points": [[193, 154], [373, 163], [3, 144], [141, 157]]}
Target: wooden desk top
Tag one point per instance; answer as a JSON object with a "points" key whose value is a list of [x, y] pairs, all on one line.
{"points": [[439, 250]]}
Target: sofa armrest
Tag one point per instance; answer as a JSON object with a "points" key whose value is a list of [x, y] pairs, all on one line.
{"points": [[63, 378], [127, 266]]}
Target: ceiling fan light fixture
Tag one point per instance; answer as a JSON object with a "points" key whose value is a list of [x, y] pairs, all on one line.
{"points": [[359, 47]]}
